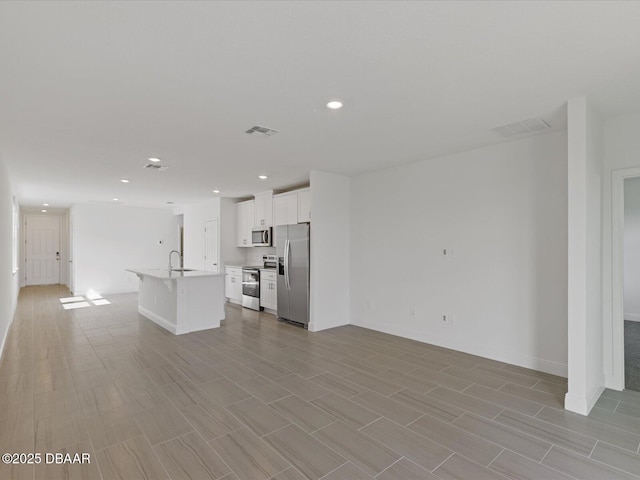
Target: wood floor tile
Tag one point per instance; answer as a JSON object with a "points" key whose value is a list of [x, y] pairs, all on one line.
{"points": [[264, 389], [406, 469], [224, 391], [303, 413], [623, 422], [291, 474], [417, 448], [505, 400], [373, 382], [345, 410], [553, 401], [478, 377], [506, 437], [408, 381], [547, 432], [429, 405], [456, 439], [590, 428], [348, 471], [301, 387], [387, 407], [248, 456], [54, 433], [55, 402], [190, 457], [509, 376], [70, 471], [461, 468], [111, 428], [466, 402], [211, 420], [183, 394], [257, 416], [441, 379], [617, 457], [514, 466], [162, 423], [581, 467], [359, 449], [133, 458], [338, 385], [294, 445]]}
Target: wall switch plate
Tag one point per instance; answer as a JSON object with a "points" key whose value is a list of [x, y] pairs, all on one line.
{"points": [[446, 319], [447, 252]]}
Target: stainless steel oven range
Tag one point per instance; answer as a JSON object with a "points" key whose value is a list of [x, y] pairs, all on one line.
{"points": [[251, 288]]}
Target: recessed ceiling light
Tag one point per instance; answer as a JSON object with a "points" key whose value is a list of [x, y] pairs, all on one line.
{"points": [[45, 204], [124, 180], [335, 104], [216, 191], [116, 199], [262, 177], [154, 160], [43, 211]]}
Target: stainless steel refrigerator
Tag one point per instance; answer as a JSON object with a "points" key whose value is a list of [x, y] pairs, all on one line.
{"points": [[293, 272]]}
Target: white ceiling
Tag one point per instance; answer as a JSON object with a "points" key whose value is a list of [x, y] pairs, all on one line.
{"points": [[89, 90]]}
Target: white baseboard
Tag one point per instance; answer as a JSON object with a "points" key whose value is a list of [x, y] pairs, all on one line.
{"points": [[582, 405], [632, 317], [5, 334], [533, 363], [158, 320]]}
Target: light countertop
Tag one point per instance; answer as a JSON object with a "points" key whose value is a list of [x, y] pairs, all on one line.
{"points": [[164, 274]]}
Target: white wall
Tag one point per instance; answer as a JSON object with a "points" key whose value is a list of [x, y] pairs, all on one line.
{"points": [[9, 281], [330, 251], [621, 159], [632, 249], [502, 210], [585, 167], [107, 239], [195, 216]]}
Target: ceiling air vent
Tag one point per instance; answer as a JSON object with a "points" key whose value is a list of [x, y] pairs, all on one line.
{"points": [[264, 131], [531, 125], [155, 166]]}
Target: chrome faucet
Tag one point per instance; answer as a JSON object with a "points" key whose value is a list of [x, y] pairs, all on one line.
{"points": [[179, 256]]}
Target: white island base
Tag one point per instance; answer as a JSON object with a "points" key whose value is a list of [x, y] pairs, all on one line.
{"points": [[181, 302]]}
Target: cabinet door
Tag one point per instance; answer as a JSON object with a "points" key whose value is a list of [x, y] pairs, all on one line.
{"points": [[304, 206], [244, 219], [291, 207], [228, 286], [263, 209], [280, 209], [268, 295]]}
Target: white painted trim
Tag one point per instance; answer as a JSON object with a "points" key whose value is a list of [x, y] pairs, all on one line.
{"points": [[632, 317], [583, 405], [12, 317], [157, 319], [615, 378]]}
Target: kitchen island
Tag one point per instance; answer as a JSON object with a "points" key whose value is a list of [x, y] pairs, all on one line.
{"points": [[181, 301]]}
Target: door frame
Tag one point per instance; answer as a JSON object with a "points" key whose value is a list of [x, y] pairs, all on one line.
{"points": [[616, 333]]}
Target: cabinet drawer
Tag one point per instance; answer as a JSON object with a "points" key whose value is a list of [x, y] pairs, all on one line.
{"points": [[233, 271], [267, 276]]}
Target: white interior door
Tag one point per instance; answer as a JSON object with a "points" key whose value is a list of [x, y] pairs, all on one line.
{"points": [[42, 236], [211, 246]]}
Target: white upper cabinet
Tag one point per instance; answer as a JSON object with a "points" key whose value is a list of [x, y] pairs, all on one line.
{"points": [[264, 209], [304, 205], [245, 218], [285, 209]]}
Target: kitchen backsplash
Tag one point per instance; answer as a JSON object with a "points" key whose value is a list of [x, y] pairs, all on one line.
{"points": [[254, 254]]}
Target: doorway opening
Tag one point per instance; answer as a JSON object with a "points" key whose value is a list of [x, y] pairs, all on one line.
{"points": [[631, 282]]}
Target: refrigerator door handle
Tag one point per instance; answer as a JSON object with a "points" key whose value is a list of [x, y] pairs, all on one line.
{"points": [[287, 247]]}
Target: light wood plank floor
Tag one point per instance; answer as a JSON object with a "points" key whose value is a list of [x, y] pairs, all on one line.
{"points": [[258, 399]]}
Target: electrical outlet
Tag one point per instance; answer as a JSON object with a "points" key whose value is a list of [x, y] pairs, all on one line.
{"points": [[447, 252], [447, 319]]}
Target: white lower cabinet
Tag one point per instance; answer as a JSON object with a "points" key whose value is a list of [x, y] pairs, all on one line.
{"points": [[268, 290], [233, 284]]}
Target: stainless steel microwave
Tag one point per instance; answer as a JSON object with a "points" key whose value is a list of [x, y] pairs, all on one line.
{"points": [[261, 237]]}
